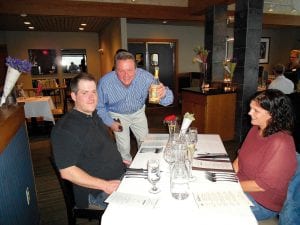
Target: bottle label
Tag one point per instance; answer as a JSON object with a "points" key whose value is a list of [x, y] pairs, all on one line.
{"points": [[153, 95]]}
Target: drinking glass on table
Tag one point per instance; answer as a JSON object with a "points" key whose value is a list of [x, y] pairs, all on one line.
{"points": [[190, 144], [193, 135], [153, 174]]}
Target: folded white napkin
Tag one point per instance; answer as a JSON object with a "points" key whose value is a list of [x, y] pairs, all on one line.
{"points": [[187, 120]]}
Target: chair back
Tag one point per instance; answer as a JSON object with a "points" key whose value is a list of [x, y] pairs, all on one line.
{"points": [[290, 213], [67, 190], [72, 211]]}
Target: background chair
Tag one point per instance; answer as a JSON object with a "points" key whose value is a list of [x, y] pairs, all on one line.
{"points": [[72, 211]]}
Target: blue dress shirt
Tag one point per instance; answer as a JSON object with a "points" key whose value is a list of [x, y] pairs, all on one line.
{"points": [[115, 97]]}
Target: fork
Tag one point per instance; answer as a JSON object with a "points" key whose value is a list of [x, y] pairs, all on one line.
{"points": [[220, 177]]}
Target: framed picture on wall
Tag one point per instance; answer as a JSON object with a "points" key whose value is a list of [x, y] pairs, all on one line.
{"points": [[264, 50]]}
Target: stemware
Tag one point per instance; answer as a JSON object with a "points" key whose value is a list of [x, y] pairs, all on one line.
{"points": [[153, 174], [168, 154], [190, 143]]}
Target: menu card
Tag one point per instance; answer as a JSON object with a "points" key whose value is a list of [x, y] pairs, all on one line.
{"points": [[221, 199], [213, 165], [155, 140], [132, 200]]}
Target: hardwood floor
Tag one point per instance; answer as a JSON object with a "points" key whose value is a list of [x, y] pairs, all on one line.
{"points": [[50, 199]]}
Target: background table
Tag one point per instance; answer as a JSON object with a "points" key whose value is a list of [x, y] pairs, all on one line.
{"points": [[40, 106]]}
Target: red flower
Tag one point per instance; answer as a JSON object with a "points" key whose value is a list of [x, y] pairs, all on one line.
{"points": [[170, 118]]}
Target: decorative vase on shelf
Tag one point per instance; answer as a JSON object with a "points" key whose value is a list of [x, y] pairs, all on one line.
{"points": [[12, 76], [229, 68], [204, 84], [14, 69]]}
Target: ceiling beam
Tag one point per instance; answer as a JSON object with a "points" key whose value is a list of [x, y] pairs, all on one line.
{"points": [[197, 7], [281, 20], [83, 8]]}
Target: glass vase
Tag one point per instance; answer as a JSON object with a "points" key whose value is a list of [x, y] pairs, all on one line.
{"points": [[169, 156], [204, 84]]}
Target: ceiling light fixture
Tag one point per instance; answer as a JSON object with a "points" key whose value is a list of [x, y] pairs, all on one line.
{"points": [[81, 28], [23, 14], [83, 24], [293, 10], [31, 28], [271, 9], [27, 22], [165, 22]]}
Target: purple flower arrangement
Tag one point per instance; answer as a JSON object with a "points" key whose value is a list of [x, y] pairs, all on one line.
{"points": [[20, 65]]}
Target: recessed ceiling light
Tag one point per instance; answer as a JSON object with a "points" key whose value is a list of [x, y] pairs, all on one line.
{"points": [[81, 28], [293, 10], [83, 24], [31, 28], [164, 22], [27, 22], [23, 14]]}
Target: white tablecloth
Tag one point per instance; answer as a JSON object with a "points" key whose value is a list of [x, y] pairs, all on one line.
{"points": [[169, 210], [38, 106]]}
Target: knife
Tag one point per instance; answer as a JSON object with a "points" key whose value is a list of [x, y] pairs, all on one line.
{"points": [[213, 156]]}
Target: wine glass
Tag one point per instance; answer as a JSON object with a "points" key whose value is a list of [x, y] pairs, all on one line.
{"points": [[190, 143], [153, 174]]}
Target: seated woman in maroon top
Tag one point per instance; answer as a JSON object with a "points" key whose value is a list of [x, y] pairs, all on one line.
{"points": [[266, 161]]}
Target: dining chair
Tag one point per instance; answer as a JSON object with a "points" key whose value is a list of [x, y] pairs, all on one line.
{"points": [[72, 211]]}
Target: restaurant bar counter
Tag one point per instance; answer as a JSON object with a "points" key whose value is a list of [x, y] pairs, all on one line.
{"points": [[17, 187], [214, 110]]}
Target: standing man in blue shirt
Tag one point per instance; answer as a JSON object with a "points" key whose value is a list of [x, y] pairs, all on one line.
{"points": [[122, 95]]}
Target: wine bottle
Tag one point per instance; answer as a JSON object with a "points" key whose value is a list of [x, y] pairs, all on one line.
{"points": [[153, 93]]}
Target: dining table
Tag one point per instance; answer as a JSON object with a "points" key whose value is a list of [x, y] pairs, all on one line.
{"points": [[38, 106], [209, 202]]}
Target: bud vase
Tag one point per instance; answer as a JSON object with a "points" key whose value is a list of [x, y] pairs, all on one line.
{"points": [[169, 152], [204, 84], [12, 75]]}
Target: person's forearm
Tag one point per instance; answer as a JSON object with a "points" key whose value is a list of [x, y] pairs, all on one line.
{"points": [[235, 165], [250, 186], [81, 178]]}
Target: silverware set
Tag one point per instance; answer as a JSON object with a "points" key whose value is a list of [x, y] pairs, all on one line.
{"points": [[221, 176], [211, 156], [136, 173]]}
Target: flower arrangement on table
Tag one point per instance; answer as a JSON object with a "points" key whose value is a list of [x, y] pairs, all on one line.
{"points": [[229, 67], [171, 121], [201, 55], [14, 70]]}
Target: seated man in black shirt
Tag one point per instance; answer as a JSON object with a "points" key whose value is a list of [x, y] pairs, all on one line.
{"points": [[83, 149]]}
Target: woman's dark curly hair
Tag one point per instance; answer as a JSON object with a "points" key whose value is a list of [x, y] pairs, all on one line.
{"points": [[280, 108]]}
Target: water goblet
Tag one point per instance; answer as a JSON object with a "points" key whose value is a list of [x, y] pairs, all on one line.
{"points": [[153, 174]]}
